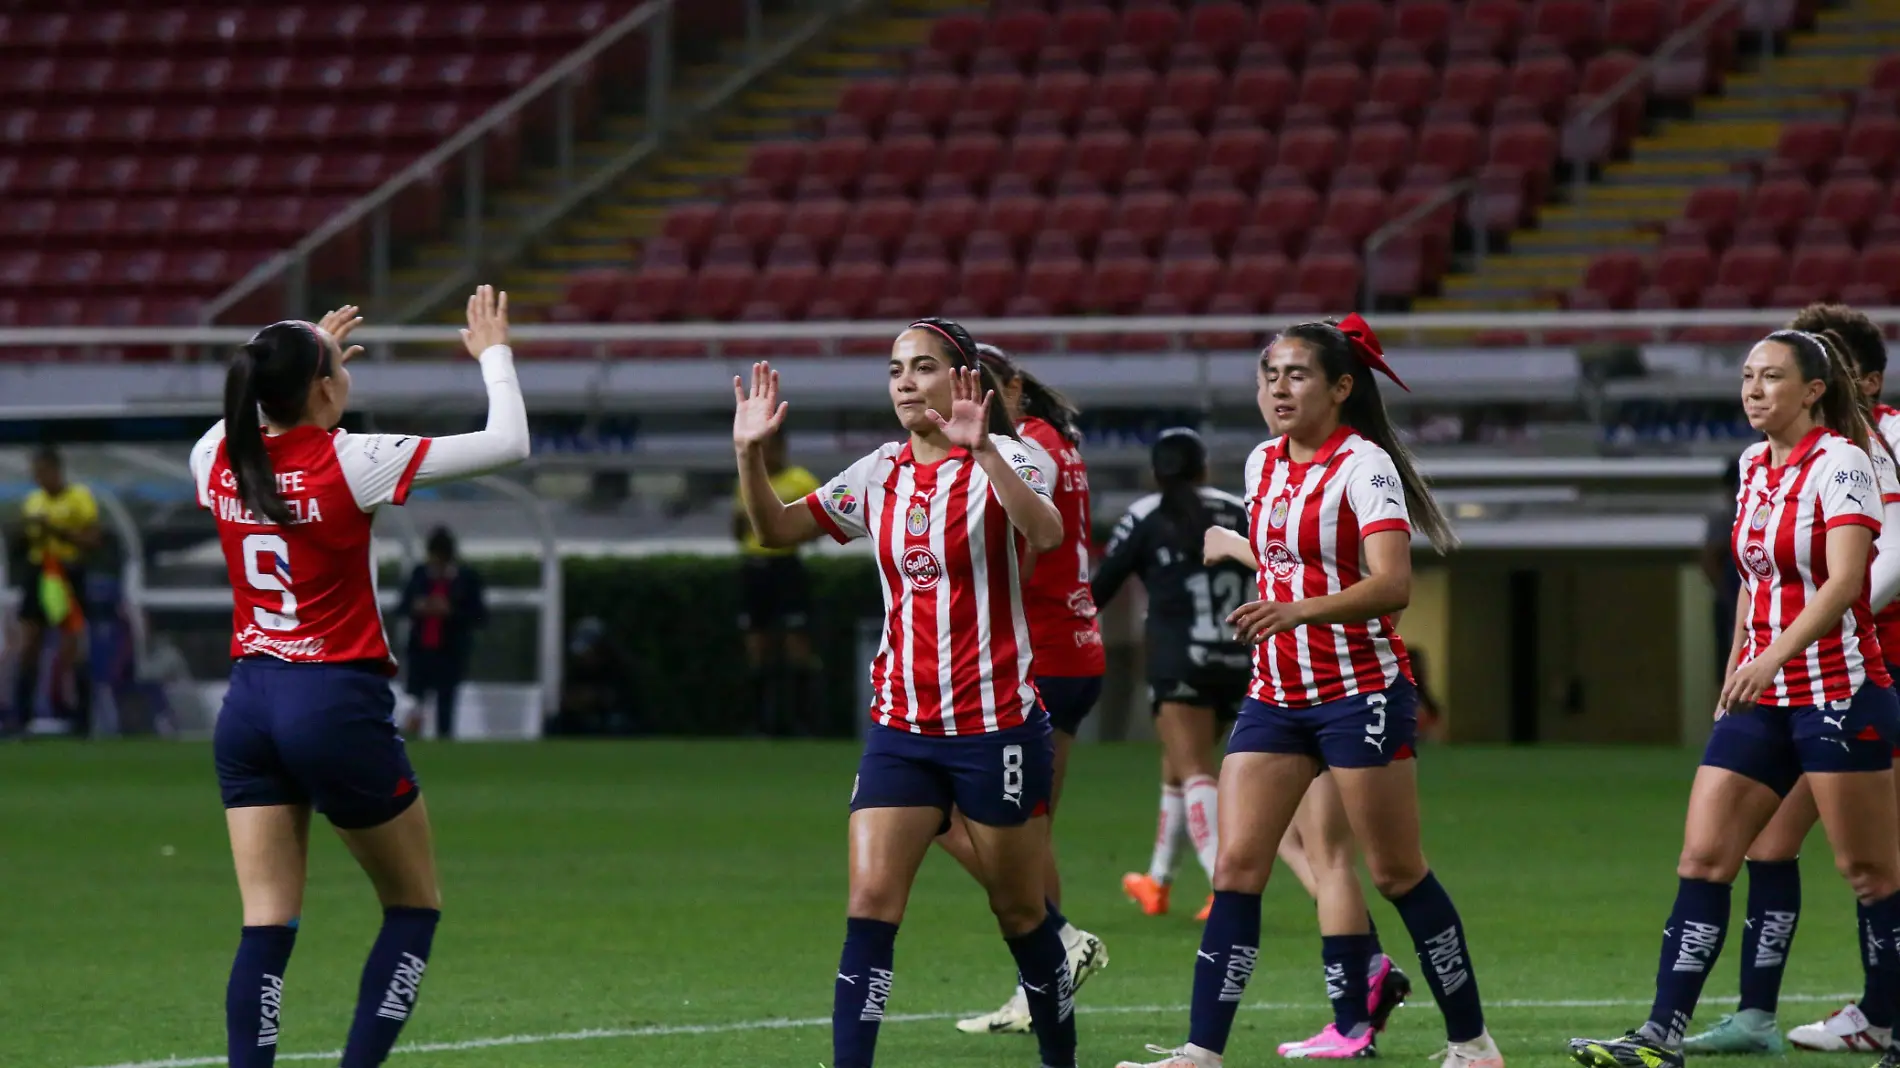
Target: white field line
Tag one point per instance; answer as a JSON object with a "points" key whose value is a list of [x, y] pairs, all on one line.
{"points": [[665, 1030]]}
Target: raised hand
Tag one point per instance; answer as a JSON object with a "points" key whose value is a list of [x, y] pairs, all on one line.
{"points": [[339, 324], [487, 320], [1220, 544], [757, 412], [969, 424]]}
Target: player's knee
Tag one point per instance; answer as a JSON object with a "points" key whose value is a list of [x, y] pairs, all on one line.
{"points": [[1242, 870], [1706, 864], [1395, 879], [876, 902], [1016, 915], [1871, 880]]}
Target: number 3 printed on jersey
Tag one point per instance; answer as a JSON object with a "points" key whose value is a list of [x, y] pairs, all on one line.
{"points": [[267, 567]]}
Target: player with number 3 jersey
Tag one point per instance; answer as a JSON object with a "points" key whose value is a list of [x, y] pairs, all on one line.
{"points": [[308, 720]]}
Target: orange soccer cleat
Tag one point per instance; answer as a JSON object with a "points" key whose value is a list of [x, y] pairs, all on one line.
{"points": [[1144, 890], [1201, 916]]}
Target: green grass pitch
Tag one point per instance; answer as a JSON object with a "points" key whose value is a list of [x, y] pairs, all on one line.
{"points": [[657, 887]]}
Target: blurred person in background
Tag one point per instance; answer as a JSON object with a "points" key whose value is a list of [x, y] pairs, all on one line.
{"points": [[775, 609], [60, 529], [598, 691], [446, 604]]}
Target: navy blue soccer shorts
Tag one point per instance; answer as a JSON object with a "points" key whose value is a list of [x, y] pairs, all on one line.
{"points": [[313, 734], [1069, 699], [1368, 730], [998, 780], [1775, 746]]}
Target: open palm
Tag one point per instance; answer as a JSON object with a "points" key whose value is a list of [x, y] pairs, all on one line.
{"points": [[969, 422], [757, 412]]}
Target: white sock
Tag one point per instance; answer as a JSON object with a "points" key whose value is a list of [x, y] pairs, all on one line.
{"points": [[1171, 826], [1203, 799]]}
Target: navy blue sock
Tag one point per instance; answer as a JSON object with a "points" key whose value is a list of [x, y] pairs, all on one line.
{"points": [[1042, 966], [1439, 936], [1346, 980], [1372, 930], [1691, 942], [1880, 963], [1230, 947], [392, 977], [254, 998], [862, 990], [1774, 907]]}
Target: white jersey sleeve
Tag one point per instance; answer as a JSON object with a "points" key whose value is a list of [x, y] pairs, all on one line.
{"points": [[501, 442], [842, 505], [1847, 488], [1375, 492], [380, 468], [203, 456], [1884, 575], [1031, 463]]}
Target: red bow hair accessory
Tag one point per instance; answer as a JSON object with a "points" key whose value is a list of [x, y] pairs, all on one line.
{"points": [[1366, 343]]}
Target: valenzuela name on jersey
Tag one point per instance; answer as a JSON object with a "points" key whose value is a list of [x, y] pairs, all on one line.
{"points": [[230, 508]]}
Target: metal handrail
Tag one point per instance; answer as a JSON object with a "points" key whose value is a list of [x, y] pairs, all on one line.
{"points": [[1395, 325], [633, 156], [1694, 31], [441, 154], [1394, 227]]}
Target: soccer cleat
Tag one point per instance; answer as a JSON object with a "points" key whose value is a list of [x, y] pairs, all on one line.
{"points": [[1188, 1056], [1201, 916], [1846, 1031], [1388, 989], [1480, 1052], [1147, 891], [1330, 1045], [1889, 1059], [1633, 1050], [1746, 1031], [1087, 955], [1011, 1019]]}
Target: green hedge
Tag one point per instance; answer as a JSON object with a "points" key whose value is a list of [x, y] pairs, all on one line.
{"points": [[675, 617]]}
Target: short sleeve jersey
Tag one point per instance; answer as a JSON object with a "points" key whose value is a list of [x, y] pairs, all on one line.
{"points": [[71, 509], [1782, 516], [956, 656], [1062, 625], [1887, 422], [306, 591], [1309, 522], [1188, 602]]}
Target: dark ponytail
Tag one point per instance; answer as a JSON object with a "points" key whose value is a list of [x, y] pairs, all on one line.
{"points": [[1039, 400], [1179, 458], [272, 375], [1840, 408], [1364, 411], [961, 350]]}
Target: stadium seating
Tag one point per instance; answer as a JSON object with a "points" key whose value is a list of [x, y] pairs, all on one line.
{"points": [[153, 154], [1095, 157], [1819, 219]]}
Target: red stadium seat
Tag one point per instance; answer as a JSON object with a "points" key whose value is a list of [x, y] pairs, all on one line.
{"points": [[957, 36], [1288, 26], [1360, 24], [1170, 154], [1151, 29], [1019, 33], [1782, 205], [1195, 90], [1638, 25], [1875, 139], [1424, 23], [1880, 266], [1384, 147], [1126, 93], [1408, 87], [1455, 146], [869, 99], [1751, 269], [1577, 25], [1313, 151], [1616, 276], [1245, 152], [1055, 281], [1103, 155], [1087, 30], [1335, 88], [1824, 270], [1811, 146], [1354, 213], [1853, 202], [1221, 26], [1475, 83], [1117, 282], [1189, 270], [1265, 92]]}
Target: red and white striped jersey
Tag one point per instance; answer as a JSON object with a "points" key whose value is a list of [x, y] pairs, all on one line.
{"points": [[956, 656], [1782, 516], [1309, 522], [1887, 423], [306, 592], [1062, 626]]}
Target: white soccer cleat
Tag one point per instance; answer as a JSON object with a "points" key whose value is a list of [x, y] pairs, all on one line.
{"points": [[1480, 1052], [1087, 955], [1011, 1019], [1846, 1031], [1188, 1056]]}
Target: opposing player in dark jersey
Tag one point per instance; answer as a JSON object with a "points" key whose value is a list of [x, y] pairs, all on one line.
{"points": [[1197, 672], [1066, 641], [308, 720]]}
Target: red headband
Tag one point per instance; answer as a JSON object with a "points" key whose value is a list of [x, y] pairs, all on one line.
{"points": [[1366, 343], [954, 347]]}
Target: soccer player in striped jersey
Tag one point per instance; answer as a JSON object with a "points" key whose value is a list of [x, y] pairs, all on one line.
{"points": [[308, 720], [1332, 502], [1774, 874], [957, 724], [1066, 642], [1807, 691]]}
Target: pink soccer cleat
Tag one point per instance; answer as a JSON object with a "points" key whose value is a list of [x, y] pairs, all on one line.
{"points": [[1330, 1045], [1388, 990]]}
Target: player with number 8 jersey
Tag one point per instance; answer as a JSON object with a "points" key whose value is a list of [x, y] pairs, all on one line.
{"points": [[957, 724], [308, 720]]}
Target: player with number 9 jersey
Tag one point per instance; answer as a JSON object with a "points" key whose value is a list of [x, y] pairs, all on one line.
{"points": [[308, 720]]}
